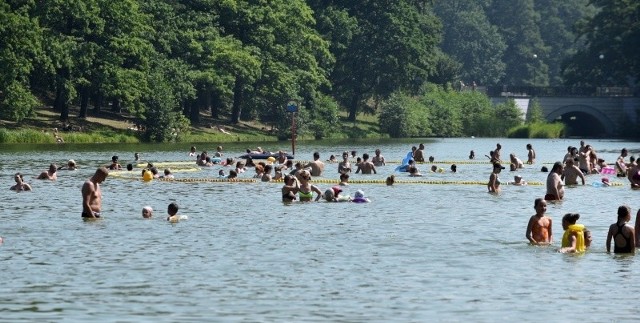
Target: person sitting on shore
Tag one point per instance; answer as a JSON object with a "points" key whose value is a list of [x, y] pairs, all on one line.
{"points": [[20, 184], [49, 174]]}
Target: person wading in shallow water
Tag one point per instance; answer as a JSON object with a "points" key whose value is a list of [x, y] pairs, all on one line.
{"points": [[91, 194]]}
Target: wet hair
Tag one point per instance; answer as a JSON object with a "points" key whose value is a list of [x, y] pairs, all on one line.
{"points": [[544, 169], [623, 212], [413, 170], [129, 167], [434, 168], [173, 208], [632, 159], [344, 176], [167, 171], [365, 156], [233, 174], [316, 155], [259, 168], [556, 166], [529, 146], [288, 178], [154, 171], [431, 159], [537, 201], [229, 161], [571, 217], [268, 169], [391, 179], [454, 168]]}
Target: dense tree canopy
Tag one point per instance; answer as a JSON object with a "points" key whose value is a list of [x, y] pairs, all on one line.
{"points": [[165, 62]]}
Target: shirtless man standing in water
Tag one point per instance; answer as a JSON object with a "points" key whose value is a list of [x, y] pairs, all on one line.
{"points": [[91, 195]]}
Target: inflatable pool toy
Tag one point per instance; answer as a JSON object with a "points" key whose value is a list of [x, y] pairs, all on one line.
{"points": [[608, 170], [147, 176], [404, 167]]}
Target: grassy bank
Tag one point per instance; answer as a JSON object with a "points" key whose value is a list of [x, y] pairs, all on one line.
{"points": [[106, 127]]}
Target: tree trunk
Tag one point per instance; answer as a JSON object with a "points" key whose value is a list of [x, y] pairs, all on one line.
{"points": [[97, 103], [115, 106], [216, 104], [63, 104], [353, 108], [194, 112], [84, 102], [237, 101]]}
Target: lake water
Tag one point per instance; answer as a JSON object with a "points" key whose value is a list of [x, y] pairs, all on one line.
{"points": [[416, 253]]}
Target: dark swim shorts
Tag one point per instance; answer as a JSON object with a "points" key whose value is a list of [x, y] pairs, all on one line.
{"points": [[88, 215]]}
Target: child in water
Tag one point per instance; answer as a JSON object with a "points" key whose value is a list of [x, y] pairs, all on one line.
{"points": [[573, 238], [173, 217], [623, 234], [539, 229]]}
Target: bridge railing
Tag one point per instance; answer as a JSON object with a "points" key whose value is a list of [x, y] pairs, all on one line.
{"points": [[528, 91]]}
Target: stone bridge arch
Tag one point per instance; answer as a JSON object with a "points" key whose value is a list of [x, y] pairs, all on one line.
{"points": [[583, 120]]}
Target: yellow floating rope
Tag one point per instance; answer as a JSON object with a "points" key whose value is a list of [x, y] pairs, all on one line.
{"points": [[162, 164]]}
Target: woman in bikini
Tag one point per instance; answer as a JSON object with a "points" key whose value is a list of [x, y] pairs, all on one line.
{"points": [[305, 193], [623, 234]]}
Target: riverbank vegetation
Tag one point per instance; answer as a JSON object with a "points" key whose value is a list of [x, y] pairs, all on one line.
{"points": [[228, 70]]}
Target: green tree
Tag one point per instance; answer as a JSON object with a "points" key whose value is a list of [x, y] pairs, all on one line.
{"points": [[470, 39], [557, 31], [611, 42], [386, 45], [404, 116], [534, 113], [525, 56], [20, 52], [291, 54]]}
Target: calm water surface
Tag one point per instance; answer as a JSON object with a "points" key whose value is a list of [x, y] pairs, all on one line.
{"points": [[418, 252]]}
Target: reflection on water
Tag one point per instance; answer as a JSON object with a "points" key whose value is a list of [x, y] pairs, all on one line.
{"points": [[416, 253]]}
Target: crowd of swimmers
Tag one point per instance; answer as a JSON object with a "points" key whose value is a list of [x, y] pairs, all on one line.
{"points": [[577, 164]]}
